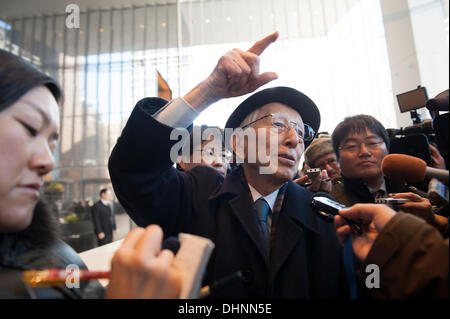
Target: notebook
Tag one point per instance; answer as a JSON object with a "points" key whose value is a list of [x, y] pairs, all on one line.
{"points": [[191, 259]]}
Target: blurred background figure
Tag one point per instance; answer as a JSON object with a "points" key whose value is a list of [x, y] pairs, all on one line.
{"points": [[211, 151], [320, 154], [103, 217], [54, 193]]}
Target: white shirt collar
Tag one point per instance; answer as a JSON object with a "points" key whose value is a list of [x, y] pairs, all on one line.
{"points": [[105, 202], [270, 199], [382, 187]]}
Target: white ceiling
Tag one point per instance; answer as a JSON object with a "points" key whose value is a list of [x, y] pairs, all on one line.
{"points": [[202, 21], [25, 8]]}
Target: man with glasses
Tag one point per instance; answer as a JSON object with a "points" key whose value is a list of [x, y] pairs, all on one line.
{"points": [[261, 221], [320, 154], [361, 142]]}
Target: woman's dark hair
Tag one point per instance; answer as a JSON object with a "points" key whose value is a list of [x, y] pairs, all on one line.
{"points": [[357, 124], [18, 76]]}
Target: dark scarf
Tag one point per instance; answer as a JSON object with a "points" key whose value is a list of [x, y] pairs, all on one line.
{"points": [[43, 230]]}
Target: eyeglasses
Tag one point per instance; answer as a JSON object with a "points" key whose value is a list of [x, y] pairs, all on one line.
{"points": [[210, 154], [353, 147], [282, 124], [330, 162]]}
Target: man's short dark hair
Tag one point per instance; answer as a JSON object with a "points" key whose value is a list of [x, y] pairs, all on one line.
{"points": [[103, 190], [357, 124]]}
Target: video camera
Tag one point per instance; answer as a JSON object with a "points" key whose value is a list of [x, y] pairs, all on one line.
{"points": [[414, 140]]}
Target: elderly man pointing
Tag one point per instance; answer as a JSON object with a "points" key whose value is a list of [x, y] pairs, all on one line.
{"points": [[260, 221]]}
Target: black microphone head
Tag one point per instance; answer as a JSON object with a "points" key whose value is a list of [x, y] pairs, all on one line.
{"points": [[172, 244]]}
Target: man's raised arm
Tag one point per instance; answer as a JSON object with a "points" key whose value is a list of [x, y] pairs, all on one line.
{"points": [[140, 165], [236, 74]]}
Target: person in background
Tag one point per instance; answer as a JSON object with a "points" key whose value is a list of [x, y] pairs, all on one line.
{"points": [[211, 151], [437, 161], [320, 154], [103, 218], [29, 233], [361, 142]]}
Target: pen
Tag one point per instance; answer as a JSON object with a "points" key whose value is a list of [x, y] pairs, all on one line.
{"points": [[55, 277]]}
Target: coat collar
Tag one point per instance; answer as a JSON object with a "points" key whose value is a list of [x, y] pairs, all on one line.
{"points": [[359, 188], [356, 186], [296, 222], [43, 231], [232, 184], [295, 216], [298, 200], [297, 206], [240, 200]]}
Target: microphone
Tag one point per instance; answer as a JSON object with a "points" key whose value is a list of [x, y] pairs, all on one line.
{"points": [[410, 169]]}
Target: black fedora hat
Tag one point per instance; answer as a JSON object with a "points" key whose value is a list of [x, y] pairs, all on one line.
{"points": [[291, 97]]}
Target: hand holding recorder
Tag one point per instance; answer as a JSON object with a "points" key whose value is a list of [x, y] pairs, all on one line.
{"points": [[421, 207], [374, 217], [315, 180], [327, 208]]}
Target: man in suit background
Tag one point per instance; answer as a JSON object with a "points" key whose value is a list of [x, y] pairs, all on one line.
{"points": [[103, 217]]}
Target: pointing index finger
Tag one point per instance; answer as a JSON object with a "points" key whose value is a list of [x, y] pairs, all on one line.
{"points": [[259, 46]]}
